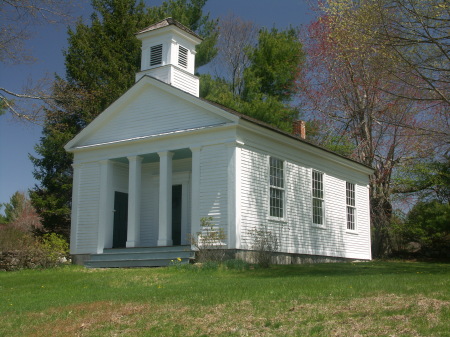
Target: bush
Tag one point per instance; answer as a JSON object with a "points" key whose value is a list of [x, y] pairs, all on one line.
{"points": [[209, 243], [22, 250], [265, 244]]}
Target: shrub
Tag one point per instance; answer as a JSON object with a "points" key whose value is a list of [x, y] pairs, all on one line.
{"points": [[209, 242], [264, 243], [22, 250]]}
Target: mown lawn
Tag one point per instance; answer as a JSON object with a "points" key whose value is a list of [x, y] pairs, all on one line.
{"points": [[354, 299]]}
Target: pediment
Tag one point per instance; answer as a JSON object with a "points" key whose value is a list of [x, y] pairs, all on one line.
{"points": [[150, 108]]}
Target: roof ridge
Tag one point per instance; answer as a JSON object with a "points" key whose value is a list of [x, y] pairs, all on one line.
{"points": [[168, 22]]}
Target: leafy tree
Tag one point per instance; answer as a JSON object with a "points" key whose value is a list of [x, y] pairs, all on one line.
{"points": [[429, 224], [101, 62], [347, 85], [20, 214], [268, 82], [429, 179]]}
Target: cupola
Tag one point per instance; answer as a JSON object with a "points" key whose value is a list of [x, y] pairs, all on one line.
{"points": [[168, 54]]}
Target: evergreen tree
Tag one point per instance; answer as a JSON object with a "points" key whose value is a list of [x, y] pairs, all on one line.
{"points": [[269, 81], [101, 62]]}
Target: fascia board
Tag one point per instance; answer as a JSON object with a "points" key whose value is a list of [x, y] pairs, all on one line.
{"points": [[304, 146], [166, 135]]}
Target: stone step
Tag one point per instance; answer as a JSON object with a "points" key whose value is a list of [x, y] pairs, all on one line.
{"points": [[140, 257], [132, 263]]}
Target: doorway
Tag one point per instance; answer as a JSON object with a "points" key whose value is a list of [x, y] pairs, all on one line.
{"points": [[120, 220], [177, 192]]}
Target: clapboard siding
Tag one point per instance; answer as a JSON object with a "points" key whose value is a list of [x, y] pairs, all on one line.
{"points": [[88, 208], [185, 81], [213, 184], [295, 232], [151, 112]]}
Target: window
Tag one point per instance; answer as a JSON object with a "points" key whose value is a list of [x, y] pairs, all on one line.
{"points": [[351, 210], [156, 55], [276, 188], [183, 57], [317, 198]]}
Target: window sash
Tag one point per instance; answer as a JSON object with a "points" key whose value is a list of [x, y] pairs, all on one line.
{"points": [[351, 218]]}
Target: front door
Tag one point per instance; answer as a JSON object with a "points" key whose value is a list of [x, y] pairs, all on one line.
{"points": [[176, 214], [120, 220]]}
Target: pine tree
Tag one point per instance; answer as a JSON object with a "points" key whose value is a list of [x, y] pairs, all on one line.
{"points": [[101, 62]]}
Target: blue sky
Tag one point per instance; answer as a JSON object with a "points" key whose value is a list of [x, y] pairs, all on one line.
{"points": [[17, 139]]}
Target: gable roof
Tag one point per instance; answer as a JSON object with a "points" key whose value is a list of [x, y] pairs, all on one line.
{"points": [[214, 107], [165, 23]]}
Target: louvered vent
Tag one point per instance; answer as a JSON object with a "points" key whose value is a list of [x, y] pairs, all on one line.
{"points": [[156, 55], [182, 57]]}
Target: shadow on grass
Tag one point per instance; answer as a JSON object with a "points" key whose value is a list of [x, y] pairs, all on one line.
{"points": [[357, 268]]}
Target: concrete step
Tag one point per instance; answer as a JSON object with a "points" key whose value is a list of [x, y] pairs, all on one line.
{"points": [[132, 263]]}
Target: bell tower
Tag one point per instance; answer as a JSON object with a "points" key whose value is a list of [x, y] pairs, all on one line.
{"points": [[168, 54]]}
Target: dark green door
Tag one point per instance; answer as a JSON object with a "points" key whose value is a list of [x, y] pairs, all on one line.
{"points": [[120, 219], [176, 214]]}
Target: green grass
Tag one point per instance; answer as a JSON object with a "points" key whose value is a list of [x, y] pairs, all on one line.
{"points": [[360, 299]]}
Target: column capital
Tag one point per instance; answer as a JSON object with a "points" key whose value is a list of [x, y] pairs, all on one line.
{"points": [[165, 154], [135, 158], [195, 148]]}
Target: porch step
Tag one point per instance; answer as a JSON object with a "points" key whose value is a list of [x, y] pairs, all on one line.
{"points": [[140, 257]]}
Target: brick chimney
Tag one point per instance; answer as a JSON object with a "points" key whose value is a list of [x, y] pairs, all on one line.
{"points": [[299, 129]]}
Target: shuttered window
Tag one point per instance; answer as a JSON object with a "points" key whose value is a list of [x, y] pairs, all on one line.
{"points": [[351, 209], [317, 198], [156, 55], [276, 187], [182, 57]]}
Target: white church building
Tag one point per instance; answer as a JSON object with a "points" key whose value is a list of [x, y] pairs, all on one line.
{"points": [[160, 159]]}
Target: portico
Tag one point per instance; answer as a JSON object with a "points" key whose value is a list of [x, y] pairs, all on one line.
{"points": [[146, 182]]}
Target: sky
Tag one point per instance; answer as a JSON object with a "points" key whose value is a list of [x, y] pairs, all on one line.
{"points": [[18, 139]]}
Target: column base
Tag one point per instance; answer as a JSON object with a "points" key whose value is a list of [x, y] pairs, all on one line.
{"points": [[131, 244], [165, 243]]}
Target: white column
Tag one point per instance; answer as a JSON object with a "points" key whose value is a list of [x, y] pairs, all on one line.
{"points": [[105, 217], [134, 201], [195, 190], [165, 198]]}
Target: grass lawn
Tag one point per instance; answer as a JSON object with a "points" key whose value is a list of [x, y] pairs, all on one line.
{"points": [[352, 299]]}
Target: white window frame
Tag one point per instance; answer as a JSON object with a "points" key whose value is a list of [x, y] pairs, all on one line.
{"points": [[150, 55], [275, 187], [180, 48], [350, 210], [315, 198]]}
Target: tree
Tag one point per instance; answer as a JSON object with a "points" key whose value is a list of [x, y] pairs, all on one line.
{"points": [[347, 86], [412, 34], [268, 82], [18, 21], [235, 38], [428, 223], [20, 214], [101, 61]]}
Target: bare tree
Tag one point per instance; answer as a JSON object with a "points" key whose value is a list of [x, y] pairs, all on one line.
{"points": [[235, 37], [18, 20]]}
